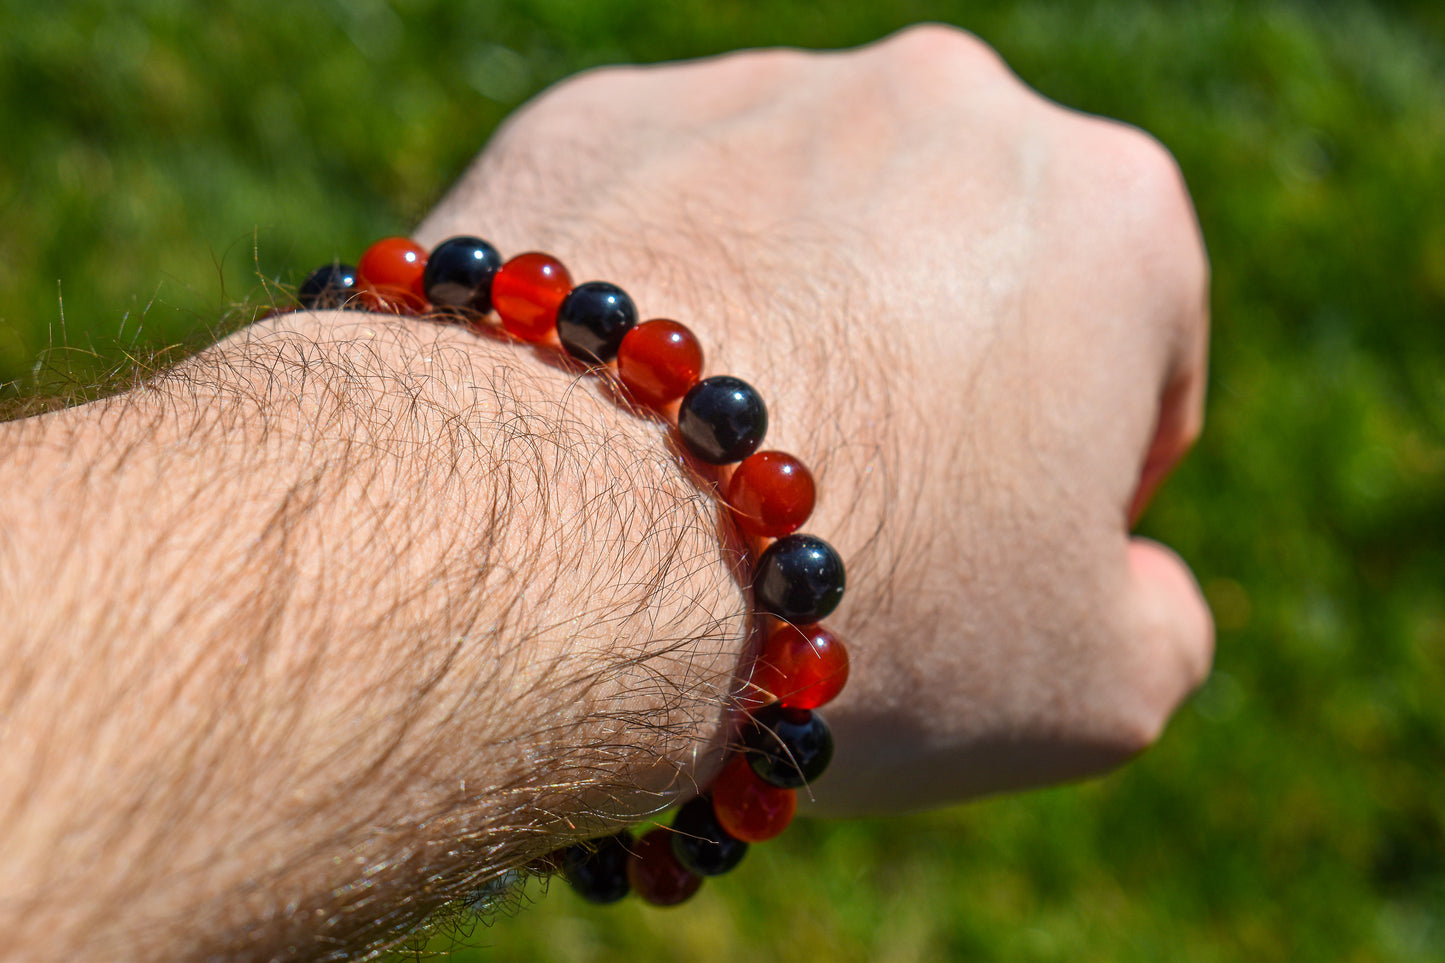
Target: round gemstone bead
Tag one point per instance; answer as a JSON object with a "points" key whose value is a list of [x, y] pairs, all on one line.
{"points": [[392, 271], [701, 844], [722, 419], [799, 579], [459, 273], [771, 494], [748, 808], [598, 870], [526, 293], [655, 873], [329, 286], [658, 361], [593, 319], [787, 748], [800, 667]]}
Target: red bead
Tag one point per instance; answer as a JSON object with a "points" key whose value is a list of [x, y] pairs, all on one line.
{"points": [[748, 808], [655, 873], [527, 292], [658, 361], [800, 666], [391, 272], [771, 493]]}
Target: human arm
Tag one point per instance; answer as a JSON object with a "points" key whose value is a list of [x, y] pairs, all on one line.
{"points": [[268, 656]]}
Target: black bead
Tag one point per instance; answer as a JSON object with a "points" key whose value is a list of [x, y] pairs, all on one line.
{"points": [[787, 748], [593, 319], [799, 578], [722, 419], [329, 286], [598, 870], [459, 273], [700, 844]]}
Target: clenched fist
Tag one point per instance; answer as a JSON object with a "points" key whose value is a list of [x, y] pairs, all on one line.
{"points": [[982, 319]]}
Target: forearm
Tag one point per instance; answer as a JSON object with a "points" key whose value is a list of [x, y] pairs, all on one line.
{"points": [[346, 606]]}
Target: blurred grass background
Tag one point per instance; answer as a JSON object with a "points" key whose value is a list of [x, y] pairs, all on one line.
{"points": [[162, 161]]}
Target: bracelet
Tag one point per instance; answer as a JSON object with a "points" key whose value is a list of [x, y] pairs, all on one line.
{"points": [[797, 579]]}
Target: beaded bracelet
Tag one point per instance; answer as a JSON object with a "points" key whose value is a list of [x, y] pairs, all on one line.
{"points": [[797, 579]]}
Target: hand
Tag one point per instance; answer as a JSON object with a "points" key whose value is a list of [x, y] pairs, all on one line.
{"points": [[979, 317]]}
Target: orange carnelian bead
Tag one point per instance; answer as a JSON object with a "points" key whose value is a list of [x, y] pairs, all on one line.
{"points": [[658, 361], [771, 493], [391, 271], [800, 666], [748, 808], [655, 873], [527, 292]]}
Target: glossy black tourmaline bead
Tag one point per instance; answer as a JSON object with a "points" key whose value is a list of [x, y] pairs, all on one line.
{"points": [[722, 419], [787, 748], [459, 273], [799, 578], [700, 844], [598, 870], [593, 319], [329, 286]]}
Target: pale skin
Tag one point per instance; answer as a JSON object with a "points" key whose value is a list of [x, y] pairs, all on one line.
{"points": [[351, 613]]}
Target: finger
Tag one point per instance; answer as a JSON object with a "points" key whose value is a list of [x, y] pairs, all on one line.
{"points": [[1175, 629]]}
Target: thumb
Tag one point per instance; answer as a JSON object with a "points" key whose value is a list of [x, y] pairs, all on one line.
{"points": [[1174, 626]]}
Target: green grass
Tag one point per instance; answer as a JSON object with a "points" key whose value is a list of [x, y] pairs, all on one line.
{"points": [[161, 166]]}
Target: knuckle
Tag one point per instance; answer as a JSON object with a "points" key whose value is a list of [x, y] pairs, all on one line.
{"points": [[1145, 163], [1148, 173], [1151, 208], [940, 40], [1161, 659], [938, 45]]}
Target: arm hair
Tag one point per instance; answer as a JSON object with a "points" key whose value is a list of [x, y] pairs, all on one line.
{"points": [[341, 620]]}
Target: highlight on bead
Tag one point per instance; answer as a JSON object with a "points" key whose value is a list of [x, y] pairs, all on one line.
{"points": [[459, 273], [658, 361], [722, 419], [330, 286], [391, 274], [798, 666], [799, 578], [771, 494], [593, 319], [748, 808], [526, 293]]}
